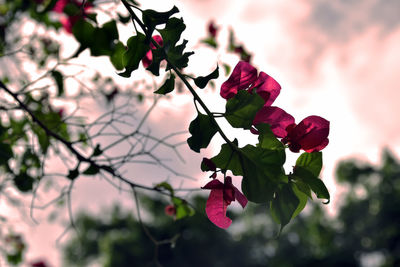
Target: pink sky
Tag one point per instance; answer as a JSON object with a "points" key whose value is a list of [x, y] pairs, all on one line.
{"points": [[339, 60]]}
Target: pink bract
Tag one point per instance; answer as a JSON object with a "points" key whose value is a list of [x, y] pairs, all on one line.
{"points": [[311, 135], [244, 76], [267, 88], [148, 58], [277, 118], [220, 198]]}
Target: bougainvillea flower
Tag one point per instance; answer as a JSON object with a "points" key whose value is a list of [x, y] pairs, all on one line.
{"points": [[221, 196], [148, 58], [170, 210], [277, 118], [212, 29], [267, 88], [243, 75], [69, 21], [311, 134]]}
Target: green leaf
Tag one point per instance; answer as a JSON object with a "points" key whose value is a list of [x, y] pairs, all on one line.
{"points": [[202, 81], [241, 109], [168, 86], [71, 9], [117, 56], [137, 49], [266, 137], [262, 172], [176, 56], [182, 208], [73, 174], [171, 34], [311, 162], [153, 18], [202, 129], [58, 78], [302, 199], [84, 32], [6, 153], [316, 184], [210, 41], [284, 204], [261, 169], [91, 170], [23, 182], [166, 186]]}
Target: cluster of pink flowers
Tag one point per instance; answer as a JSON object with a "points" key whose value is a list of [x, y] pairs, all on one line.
{"points": [[69, 21], [311, 134]]}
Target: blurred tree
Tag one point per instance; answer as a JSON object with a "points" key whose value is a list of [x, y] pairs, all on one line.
{"points": [[364, 233]]}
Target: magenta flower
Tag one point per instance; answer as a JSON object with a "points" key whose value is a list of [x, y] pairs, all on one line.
{"points": [[170, 210], [148, 58], [244, 76], [311, 135], [221, 196], [68, 22], [277, 118], [212, 29]]}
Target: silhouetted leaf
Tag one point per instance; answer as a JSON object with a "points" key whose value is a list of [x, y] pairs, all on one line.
{"points": [[202, 81], [202, 129], [241, 109]]}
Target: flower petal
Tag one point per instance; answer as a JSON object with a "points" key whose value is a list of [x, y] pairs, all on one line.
{"points": [[243, 75], [240, 198], [276, 117], [214, 184], [311, 134], [267, 88], [216, 209]]}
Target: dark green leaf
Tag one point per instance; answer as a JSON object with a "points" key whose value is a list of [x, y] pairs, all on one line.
{"points": [[168, 86], [202, 129], [23, 182], [284, 204], [241, 109], [266, 137], [58, 77], [117, 56], [137, 49], [91, 170], [261, 169], [202, 81], [176, 56], [84, 32], [316, 184], [71, 9], [124, 19], [153, 18], [302, 199], [311, 162], [171, 34]]}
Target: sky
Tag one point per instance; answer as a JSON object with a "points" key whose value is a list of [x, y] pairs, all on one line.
{"points": [[336, 59]]}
